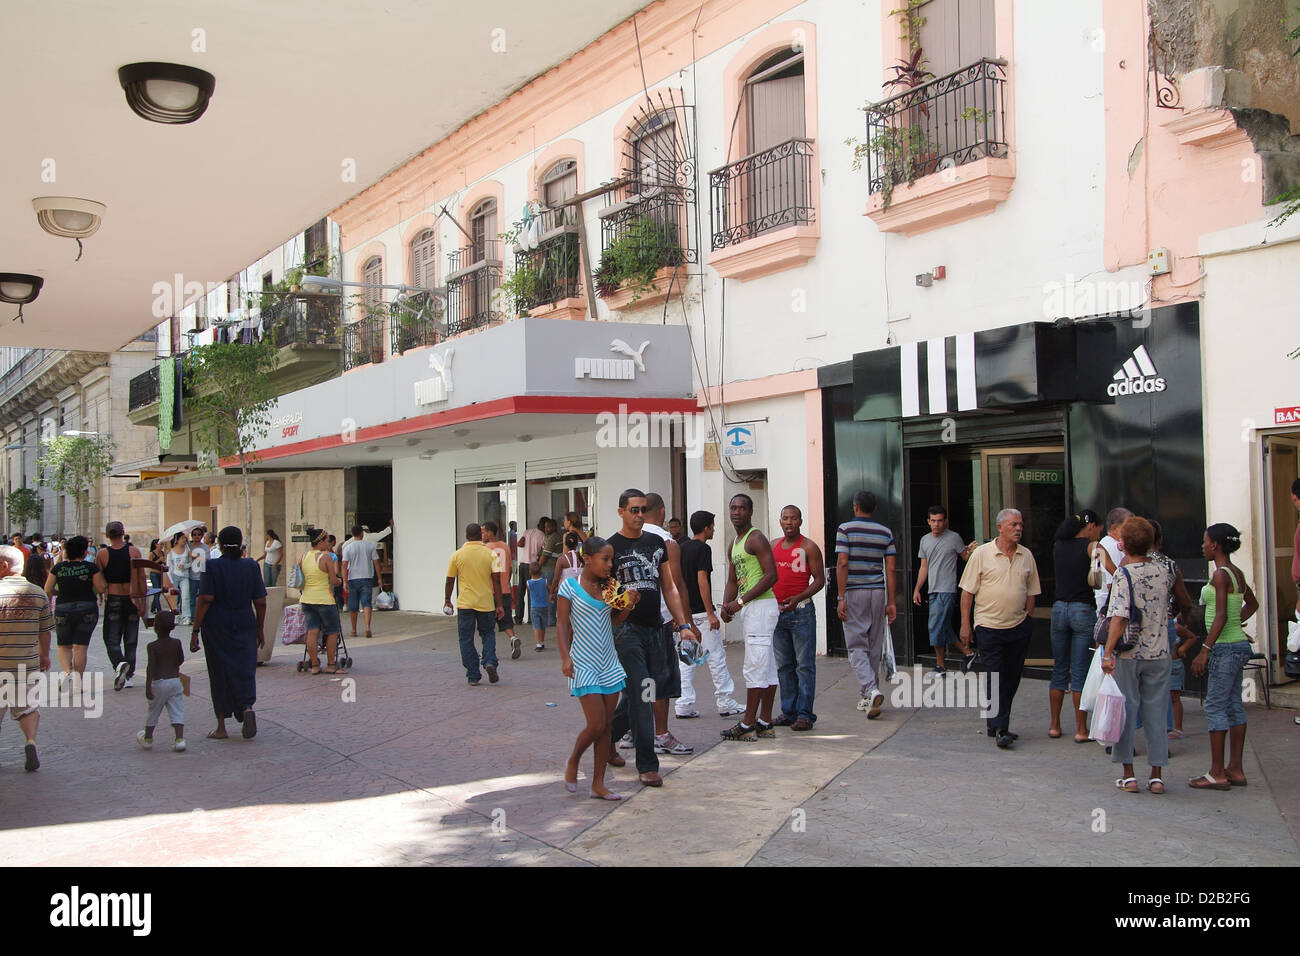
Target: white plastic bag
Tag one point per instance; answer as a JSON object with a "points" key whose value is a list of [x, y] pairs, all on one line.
{"points": [[384, 601], [1108, 715], [1293, 633], [1092, 683]]}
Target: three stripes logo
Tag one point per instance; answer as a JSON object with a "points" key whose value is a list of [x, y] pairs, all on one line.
{"points": [[1137, 376]]}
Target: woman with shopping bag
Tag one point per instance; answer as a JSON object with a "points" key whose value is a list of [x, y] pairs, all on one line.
{"points": [[1137, 653]]}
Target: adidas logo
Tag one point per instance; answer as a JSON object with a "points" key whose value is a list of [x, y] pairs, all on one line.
{"points": [[1137, 376]]}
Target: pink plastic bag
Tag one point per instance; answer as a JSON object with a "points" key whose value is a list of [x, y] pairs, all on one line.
{"points": [[1108, 713], [293, 626]]}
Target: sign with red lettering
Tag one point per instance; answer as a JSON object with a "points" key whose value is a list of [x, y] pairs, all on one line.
{"points": [[290, 431], [1289, 415]]}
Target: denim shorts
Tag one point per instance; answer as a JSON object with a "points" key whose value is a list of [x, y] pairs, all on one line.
{"points": [[74, 622], [321, 617], [941, 605], [1223, 708], [359, 593]]}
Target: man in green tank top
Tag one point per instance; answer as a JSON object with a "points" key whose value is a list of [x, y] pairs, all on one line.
{"points": [[751, 572]]}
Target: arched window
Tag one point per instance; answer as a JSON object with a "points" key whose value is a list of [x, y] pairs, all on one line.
{"points": [[422, 262], [655, 153], [483, 230], [557, 184], [774, 102], [373, 274]]}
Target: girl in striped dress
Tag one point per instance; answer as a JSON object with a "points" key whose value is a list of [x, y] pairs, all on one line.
{"points": [[585, 626]]}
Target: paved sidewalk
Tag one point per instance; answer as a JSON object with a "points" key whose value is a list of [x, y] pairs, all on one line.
{"points": [[400, 762]]}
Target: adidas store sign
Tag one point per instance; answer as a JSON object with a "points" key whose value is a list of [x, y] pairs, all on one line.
{"points": [[1138, 376]]}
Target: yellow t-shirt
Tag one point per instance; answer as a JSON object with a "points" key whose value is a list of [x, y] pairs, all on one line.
{"points": [[1001, 585], [472, 568]]}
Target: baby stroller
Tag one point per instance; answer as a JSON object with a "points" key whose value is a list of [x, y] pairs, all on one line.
{"points": [[293, 630]]}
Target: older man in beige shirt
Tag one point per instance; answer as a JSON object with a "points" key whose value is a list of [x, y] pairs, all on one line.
{"points": [[1000, 583]]}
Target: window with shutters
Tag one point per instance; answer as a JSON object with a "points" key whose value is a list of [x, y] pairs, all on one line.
{"points": [[559, 183], [945, 106], [373, 275], [475, 272], [483, 229], [763, 209], [234, 293], [316, 243], [423, 271]]}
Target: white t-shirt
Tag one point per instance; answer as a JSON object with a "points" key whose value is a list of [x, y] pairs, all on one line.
{"points": [[273, 552], [1115, 549], [666, 617], [360, 556]]}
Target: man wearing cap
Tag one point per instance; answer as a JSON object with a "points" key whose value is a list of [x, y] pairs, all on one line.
{"points": [[124, 603]]}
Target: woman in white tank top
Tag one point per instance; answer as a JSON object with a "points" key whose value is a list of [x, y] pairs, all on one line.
{"points": [[569, 565]]}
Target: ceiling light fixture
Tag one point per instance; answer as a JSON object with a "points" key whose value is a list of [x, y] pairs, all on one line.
{"points": [[166, 93], [19, 288], [412, 442], [68, 217], [428, 453], [525, 438], [471, 445], [460, 432]]}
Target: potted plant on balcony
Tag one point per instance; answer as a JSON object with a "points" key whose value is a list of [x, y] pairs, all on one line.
{"points": [[631, 261], [522, 289]]}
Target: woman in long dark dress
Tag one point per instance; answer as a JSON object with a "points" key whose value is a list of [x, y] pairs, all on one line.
{"points": [[230, 612]]}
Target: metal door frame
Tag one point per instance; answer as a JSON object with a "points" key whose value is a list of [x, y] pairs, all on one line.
{"points": [[1275, 653]]}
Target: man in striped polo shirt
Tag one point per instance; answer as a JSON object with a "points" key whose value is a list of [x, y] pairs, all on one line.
{"points": [[25, 625], [865, 559]]}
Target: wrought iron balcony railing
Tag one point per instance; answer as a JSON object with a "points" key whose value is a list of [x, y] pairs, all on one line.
{"points": [[471, 299], [308, 320], [486, 250], [363, 341], [143, 389], [946, 122], [551, 272], [771, 189], [414, 323]]}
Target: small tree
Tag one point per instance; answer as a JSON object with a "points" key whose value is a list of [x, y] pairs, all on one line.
{"points": [[229, 406], [24, 505], [73, 465]]}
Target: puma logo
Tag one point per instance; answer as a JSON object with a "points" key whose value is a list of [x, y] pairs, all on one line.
{"points": [[618, 345], [443, 367]]}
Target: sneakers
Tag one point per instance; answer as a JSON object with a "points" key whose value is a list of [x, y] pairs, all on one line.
{"points": [[32, 763], [540, 647], [766, 731], [689, 715], [1005, 740], [146, 743], [119, 681], [473, 683], [179, 745], [516, 648], [731, 712], [668, 744], [740, 732], [864, 704], [938, 670], [626, 742], [130, 682], [872, 704], [491, 673]]}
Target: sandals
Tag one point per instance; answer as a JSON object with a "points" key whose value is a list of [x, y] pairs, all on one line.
{"points": [[1175, 735], [1154, 783], [1206, 781], [1127, 784], [1054, 734], [315, 669]]}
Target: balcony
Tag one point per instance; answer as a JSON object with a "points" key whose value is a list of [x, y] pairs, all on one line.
{"points": [[547, 280], [363, 341], [939, 153], [415, 323], [143, 392], [644, 240], [764, 211]]}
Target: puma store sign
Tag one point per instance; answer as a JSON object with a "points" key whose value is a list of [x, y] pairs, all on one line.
{"points": [[1137, 376], [616, 369], [431, 391], [1287, 416]]}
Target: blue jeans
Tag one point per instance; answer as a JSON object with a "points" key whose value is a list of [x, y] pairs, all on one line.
{"points": [[1223, 708], [636, 647], [1072, 627], [122, 630], [466, 623], [941, 633], [794, 642], [191, 586]]}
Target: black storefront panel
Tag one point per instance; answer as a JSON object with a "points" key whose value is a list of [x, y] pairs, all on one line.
{"points": [[1145, 450]]}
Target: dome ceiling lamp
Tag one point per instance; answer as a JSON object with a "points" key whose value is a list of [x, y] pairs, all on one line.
{"points": [[19, 288], [166, 93], [69, 217]]}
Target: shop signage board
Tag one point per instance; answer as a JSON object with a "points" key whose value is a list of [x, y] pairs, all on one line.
{"points": [[1288, 415], [739, 439], [1039, 476]]}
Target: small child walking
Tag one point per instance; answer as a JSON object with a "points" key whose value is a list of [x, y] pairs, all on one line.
{"points": [[539, 603], [162, 682]]}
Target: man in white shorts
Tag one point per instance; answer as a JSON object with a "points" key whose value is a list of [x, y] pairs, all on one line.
{"points": [[750, 576], [697, 570]]}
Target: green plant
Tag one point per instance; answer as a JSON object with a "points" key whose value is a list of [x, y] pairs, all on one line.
{"points": [[632, 260], [74, 464], [230, 403], [24, 505], [521, 290], [902, 154], [910, 22], [975, 115]]}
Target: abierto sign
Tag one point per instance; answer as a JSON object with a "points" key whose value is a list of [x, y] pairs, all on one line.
{"points": [[1287, 415]]}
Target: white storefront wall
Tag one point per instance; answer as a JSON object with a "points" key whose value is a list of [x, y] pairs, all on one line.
{"points": [[429, 531], [1248, 332]]}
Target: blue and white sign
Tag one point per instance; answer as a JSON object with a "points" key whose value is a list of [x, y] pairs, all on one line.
{"points": [[739, 440]]}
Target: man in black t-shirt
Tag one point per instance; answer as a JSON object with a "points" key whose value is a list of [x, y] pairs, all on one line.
{"points": [[697, 566], [641, 564]]}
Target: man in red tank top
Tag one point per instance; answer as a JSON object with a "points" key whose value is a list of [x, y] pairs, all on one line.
{"points": [[800, 574]]}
